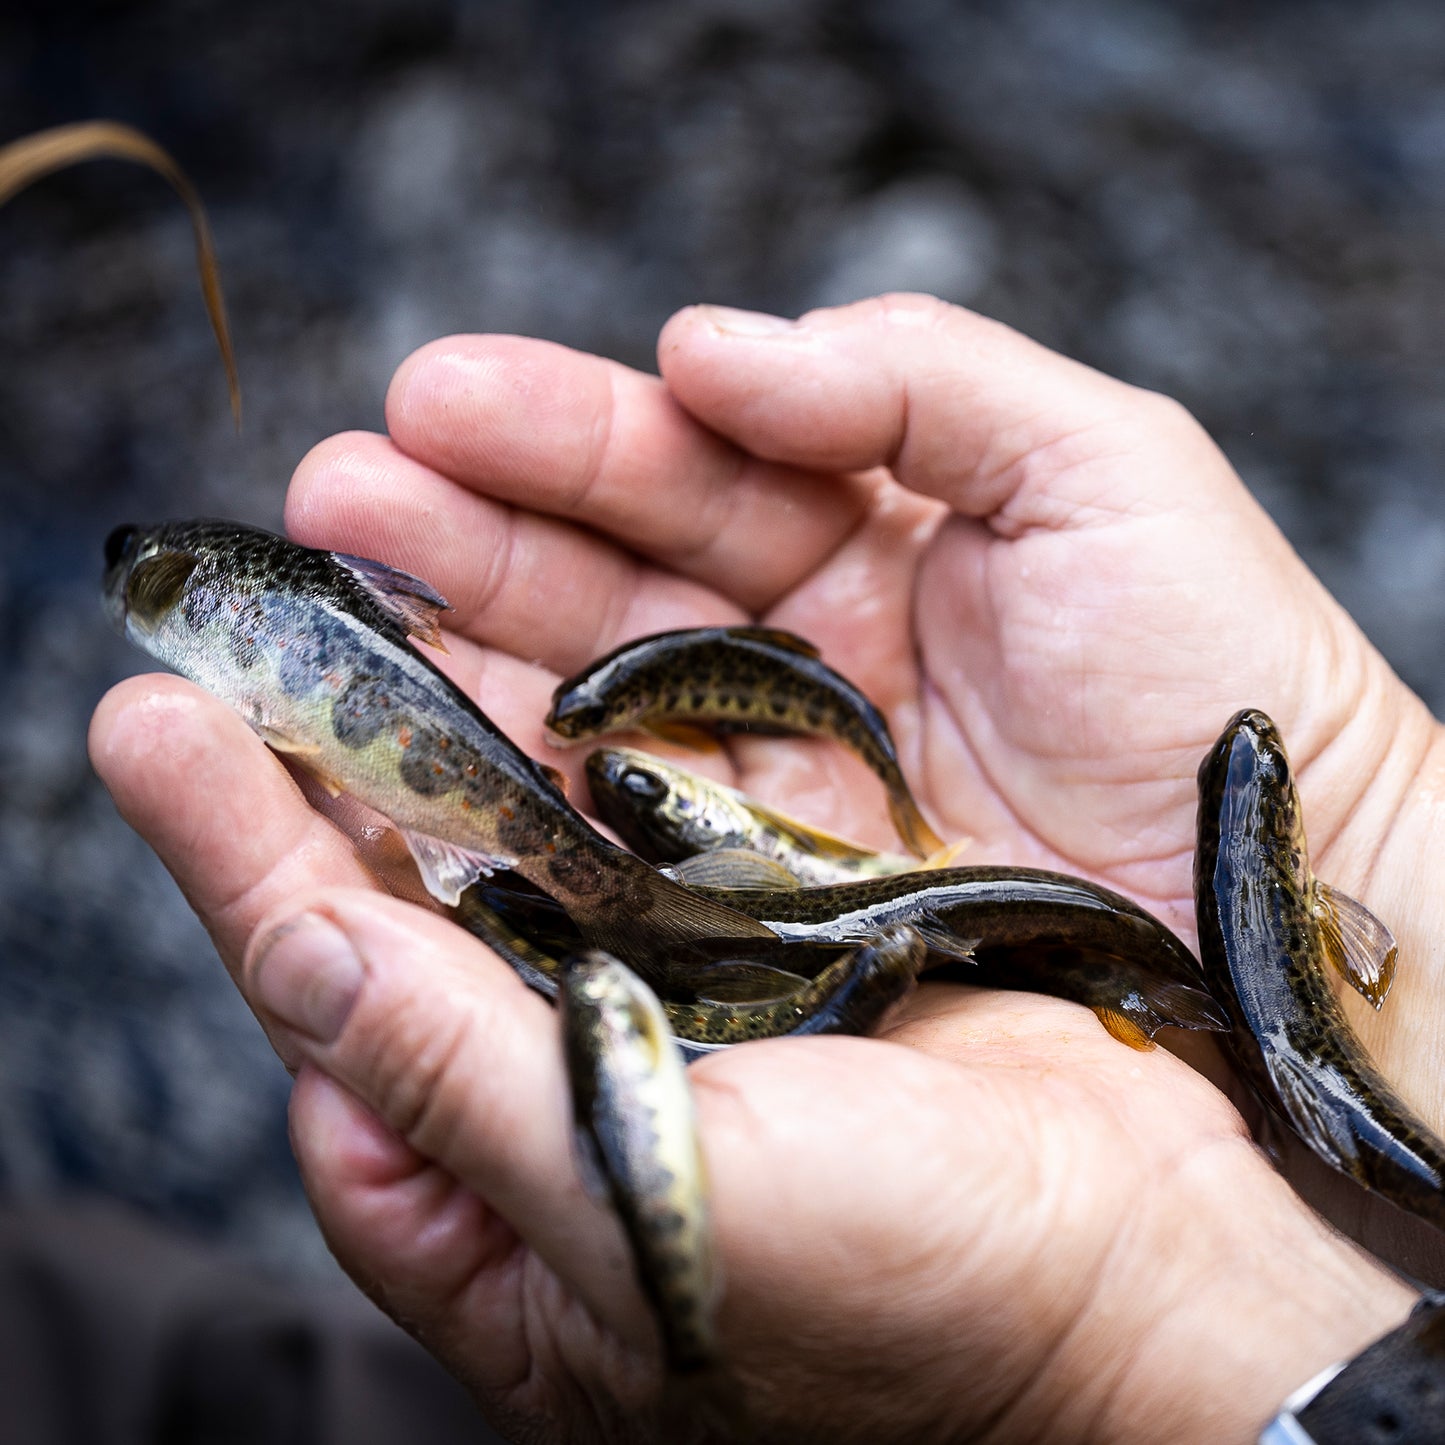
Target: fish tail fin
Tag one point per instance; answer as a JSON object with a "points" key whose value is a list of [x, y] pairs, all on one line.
{"points": [[912, 826]]}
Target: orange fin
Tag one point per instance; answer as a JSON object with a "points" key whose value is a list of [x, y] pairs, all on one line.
{"points": [[946, 856], [556, 777], [1360, 947], [415, 605], [684, 734], [1123, 1028]]}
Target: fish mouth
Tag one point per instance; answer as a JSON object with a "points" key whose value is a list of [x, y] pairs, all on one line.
{"points": [[121, 549]]}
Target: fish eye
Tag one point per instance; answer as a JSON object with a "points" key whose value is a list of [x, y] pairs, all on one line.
{"points": [[118, 544], [642, 784]]}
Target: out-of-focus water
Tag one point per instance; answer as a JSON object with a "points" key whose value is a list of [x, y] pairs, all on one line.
{"points": [[1242, 205]]}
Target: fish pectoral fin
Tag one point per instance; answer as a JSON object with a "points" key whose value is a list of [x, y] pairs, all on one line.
{"points": [[448, 869], [1124, 1028], [775, 637], [1361, 948], [941, 939], [734, 868], [303, 752], [155, 586], [685, 735], [415, 605], [1308, 1112], [556, 777]]}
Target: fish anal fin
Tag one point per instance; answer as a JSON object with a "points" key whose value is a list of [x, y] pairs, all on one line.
{"points": [[734, 868], [775, 637], [684, 734], [1126, 1029], [415, 605], [1307, 1111], [1362, 949], [155, 586], [448, 869]]}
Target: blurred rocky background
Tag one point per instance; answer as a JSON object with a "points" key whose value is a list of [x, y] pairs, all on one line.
{"points": [[1242, 204]]}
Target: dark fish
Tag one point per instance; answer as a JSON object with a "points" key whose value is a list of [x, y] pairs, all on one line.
{"points": [[312, 649], [668, 815], [851, 993], [1019, 928], [735, 679], [637, 1143], [1266, 937]]}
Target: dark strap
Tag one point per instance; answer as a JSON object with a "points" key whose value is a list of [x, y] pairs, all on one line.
{"points": [[1393, 1393]]}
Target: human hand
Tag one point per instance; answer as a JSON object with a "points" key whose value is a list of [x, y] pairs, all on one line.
{"points": [[1056, 652]]}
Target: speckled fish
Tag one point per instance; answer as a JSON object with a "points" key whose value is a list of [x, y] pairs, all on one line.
{"points": [[1268, 934], [1016, 928], [636, 1137], [311, 648], [852, 993], [668, 815], [735, 679]]}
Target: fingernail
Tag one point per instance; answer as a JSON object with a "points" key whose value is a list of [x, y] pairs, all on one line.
{"points": [[308, 976], [745, 323]]}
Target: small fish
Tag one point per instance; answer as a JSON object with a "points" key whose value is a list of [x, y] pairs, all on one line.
{"points": [[680, 685], [311, 648], [668, 815], [636, 1136], [1017, 928], [1268, 932], [851, 993]]}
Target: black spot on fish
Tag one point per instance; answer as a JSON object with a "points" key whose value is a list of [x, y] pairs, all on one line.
{"points": [[360, 712]]}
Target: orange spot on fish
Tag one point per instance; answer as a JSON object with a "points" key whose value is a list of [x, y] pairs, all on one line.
{"points": [[444, 742], [437, 769], [466, 805], [506, 812], [471, 770], [404, 737]]}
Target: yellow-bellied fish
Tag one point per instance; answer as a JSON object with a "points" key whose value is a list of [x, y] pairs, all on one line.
{"points": [[735, 679], [311, 648], [669, 814]]}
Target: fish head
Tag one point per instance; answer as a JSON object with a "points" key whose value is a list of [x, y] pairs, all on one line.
{"points": [[145, 578], [661, 811], [578, 712], [1248, 769]]}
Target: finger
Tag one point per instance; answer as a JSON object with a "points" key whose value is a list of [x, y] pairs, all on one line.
{"points": [[422, 1245], [451, 1051], [226, 818], [534, 586], [957, 406], [591, 441]]}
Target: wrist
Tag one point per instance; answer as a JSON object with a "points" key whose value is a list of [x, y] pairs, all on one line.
{"points": [[1258, 1297]]}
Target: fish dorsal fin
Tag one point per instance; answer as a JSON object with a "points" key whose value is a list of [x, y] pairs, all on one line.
{"points": [[1309, 1113], [734, 868], [448, 869], [775, 637], [823, 843], [415, 605], [155, 586], [743, 983], [1361, 948]]}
